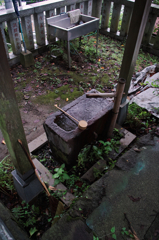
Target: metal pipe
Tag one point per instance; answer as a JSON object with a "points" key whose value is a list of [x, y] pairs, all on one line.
{"points": [[117, 101]]}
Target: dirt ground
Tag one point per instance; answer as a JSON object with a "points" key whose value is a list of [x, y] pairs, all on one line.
{"points": [[32, 118], [50, 81]]}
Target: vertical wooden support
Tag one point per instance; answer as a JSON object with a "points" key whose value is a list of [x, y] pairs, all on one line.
{"points": [[39, 28], [96, 8], [81, 7], [156, 44], [135, 34], [57, 11], [105, 14], [126, 21], [28, 32], [86, 8], [90, 7], [50, 13], [10, 119], [115, 18], [62, 10], [149, 29], [71, 7], [4, 39], [13, 30]]}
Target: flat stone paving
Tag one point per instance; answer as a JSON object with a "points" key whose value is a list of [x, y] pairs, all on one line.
{"points": [[131, 188]]}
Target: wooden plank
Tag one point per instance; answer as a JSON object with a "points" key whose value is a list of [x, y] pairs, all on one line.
{"points": [[47, 177], [90, 174], [38, 142]]}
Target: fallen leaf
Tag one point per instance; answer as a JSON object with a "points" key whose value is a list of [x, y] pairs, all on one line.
{"points": [[26, 97], [137, 150], [36, 121], [3, 142], [134, 199], [67, 99], [52, 188]]}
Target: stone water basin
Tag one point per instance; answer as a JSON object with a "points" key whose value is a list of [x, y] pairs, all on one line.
{"points": [[65, 138]]}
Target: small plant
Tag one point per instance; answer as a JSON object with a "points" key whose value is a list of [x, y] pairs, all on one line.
{"points": [[6, 179], [96, 173], [127, 233], [26, 216], [113, 233], [60, 175]]}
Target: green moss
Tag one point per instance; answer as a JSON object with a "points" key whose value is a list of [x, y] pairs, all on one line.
{"points": [[69, 218], [62, 92], [76, 77], [19, 96], [105, 79]]}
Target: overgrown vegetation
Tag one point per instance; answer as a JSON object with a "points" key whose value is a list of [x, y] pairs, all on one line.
{"points": [[6, 179], [140, 120]]}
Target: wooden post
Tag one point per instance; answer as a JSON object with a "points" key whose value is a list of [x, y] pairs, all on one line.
{"points": [[12, 130], [136, 31], [10, 119], [96, 10]]}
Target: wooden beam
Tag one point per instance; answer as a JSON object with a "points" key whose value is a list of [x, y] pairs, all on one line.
{"points": [[10, 119]]}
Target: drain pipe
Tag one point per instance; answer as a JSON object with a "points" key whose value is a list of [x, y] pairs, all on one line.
{"points": [[117, 101]]}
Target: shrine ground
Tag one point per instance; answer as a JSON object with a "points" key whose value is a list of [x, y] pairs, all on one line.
{"points": [[131, 188], [50, 81]]}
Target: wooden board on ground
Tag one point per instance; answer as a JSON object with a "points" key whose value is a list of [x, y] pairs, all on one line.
{"points": [[47, 177], [38, 142]]}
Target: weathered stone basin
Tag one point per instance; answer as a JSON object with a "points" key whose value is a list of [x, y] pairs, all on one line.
{"points": [[65, 138]]}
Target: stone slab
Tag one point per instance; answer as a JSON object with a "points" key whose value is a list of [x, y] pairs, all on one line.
{"points": [[47, 177], [128, 137], [90, 174], [26, 59], [65, 138], [37, 143], [11, 225], [134, 192], [68, 229]]}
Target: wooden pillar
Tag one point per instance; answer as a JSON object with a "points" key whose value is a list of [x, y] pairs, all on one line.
{"points": [[13, 30], [28, 32], [135, 34], [156, 44], [39, 28], [126, 21], [4, 39], [96, 10], [115, 18], [149, 29], [10, 119], [50, 13], [105, 14], [90, 7], [25, 180], [71, 7]]}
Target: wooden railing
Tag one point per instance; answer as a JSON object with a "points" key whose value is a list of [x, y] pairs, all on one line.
{"points": [[116, 16], [33, 20], [115, 21]]}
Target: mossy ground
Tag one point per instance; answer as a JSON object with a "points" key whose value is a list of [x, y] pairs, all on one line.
{"points": [[50, 78]]}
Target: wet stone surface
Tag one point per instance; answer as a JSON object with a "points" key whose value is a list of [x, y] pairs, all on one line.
{"points": [[65, 138], [86, 109]]}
